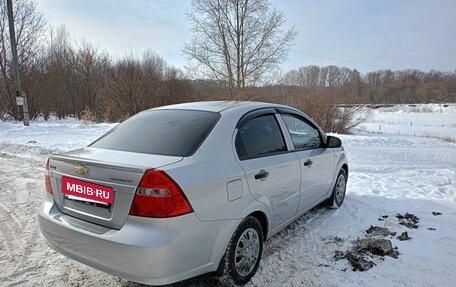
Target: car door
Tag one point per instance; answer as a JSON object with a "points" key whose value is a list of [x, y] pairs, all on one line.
{"points": [[316, 161], [273, 173]]}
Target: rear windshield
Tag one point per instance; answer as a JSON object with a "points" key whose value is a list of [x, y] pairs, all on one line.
{"points": [[161, 132]]}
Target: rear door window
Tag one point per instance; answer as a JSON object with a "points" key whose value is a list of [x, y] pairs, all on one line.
{"points": [[260, 136], [161, 132]]}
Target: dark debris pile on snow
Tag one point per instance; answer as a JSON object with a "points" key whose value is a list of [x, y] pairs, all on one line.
{"points": [[404, 236], [365, 250], [374, 231], [408, 220]]}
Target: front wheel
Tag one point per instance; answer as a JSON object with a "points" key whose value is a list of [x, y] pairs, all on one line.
{"points": [[338, 194], [243, 254]]}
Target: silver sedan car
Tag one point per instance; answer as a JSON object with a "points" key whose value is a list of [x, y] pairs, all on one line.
{"points": [[188, 189]]}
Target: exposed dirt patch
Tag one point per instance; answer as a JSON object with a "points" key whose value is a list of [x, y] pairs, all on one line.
{"points": [[374, 231], [364, 250], [408, 220], [359, 262], [383, 217], [404, 236], [375, 246]]}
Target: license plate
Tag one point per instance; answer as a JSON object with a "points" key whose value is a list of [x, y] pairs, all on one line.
{"points": [[87, 191]]}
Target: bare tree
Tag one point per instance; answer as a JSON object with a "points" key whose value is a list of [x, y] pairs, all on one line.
{"points": [[236, 41], [134, 85], [54, 73], [86, 78], [177, 88], [353, 86]]}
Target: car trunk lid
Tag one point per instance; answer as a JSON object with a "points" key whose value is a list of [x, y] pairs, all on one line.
{"points": [[98, 185]]}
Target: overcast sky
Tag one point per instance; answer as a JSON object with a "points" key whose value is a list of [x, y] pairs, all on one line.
{"points": [[363, 34]]}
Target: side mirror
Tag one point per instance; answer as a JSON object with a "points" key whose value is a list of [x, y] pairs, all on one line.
{"points": [[333, 142]]}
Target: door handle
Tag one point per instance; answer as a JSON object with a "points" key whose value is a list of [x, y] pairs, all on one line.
{"points": [[262, 174], [308, 163]]}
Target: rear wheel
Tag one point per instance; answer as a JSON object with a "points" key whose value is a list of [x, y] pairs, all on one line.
{"points": [[338, 195], [243, 254]]}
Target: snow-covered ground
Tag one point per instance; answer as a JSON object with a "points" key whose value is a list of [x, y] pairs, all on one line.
{"points": [[430, 120], [389, 174], [44, 137]]}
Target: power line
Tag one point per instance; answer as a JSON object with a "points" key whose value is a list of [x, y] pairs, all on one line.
{"points": [[133, 14], [337, 59], [186, 28]]}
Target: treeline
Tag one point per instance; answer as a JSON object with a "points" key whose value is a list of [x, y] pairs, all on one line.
{"points": [[83, 81], [379, 87]]}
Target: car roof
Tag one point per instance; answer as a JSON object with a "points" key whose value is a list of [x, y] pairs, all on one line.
{"points": [[220, 106], [234, 109]]}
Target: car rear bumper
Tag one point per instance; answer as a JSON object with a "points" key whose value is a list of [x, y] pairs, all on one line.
{"points": [[145, 250]]}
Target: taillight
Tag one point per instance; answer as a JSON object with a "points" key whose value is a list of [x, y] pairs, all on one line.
{"points": [[47, 179], [158, 195]]}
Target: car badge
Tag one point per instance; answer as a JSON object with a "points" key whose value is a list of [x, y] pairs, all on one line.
{"points": [[81, 169]]}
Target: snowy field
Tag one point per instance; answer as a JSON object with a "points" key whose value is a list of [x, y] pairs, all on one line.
{"points": [[391, 173], [431, 120]]}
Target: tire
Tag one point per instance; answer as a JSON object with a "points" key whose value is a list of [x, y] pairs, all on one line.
{"points": [[240, 264], [338, 194]]}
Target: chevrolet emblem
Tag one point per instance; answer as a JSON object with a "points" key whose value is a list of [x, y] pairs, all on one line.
{"points": [[81, 169]]}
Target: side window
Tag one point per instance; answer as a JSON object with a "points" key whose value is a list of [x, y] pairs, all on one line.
{"points": [[302, 133], [258, 137]]}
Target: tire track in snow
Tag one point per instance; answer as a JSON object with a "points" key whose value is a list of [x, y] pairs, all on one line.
{"points": [[9, 223], [29, 242], [6, 212], [18, 226]]}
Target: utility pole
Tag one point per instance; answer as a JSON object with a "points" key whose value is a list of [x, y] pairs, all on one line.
{"points": [[21, 99]]}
